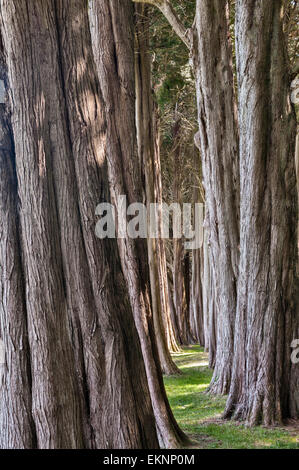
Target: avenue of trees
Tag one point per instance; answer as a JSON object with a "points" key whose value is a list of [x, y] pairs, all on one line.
{"points": [[161, 101]]}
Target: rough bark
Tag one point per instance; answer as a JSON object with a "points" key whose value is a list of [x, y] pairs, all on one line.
{"points": [[83, 344], [148, 151], [262, 388], [55, 404], [114, 424], [16, 424], [113, 44], [218, 136]]}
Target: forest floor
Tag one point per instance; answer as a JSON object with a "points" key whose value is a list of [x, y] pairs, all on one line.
{"points": [[199, 414]]}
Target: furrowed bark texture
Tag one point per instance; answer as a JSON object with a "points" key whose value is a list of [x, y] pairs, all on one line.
{"points": [[218, 136], [113, 44], [55, 404], [262, 388], [125, 416], [16, 423], [83, 344]]}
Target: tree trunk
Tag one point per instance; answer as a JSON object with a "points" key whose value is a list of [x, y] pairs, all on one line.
{"points": [[297, 173], [179, 292], [16, 423], [162, 265], [118, 424], [81, 363], [267, 316], [113, 44], [149, 155], [209, 302], [212, 58], [55, 403], [173, 316], [217, 139], [196, 304], [180, 270]]}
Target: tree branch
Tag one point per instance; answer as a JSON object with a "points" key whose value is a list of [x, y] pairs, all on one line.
{"points": [[170, 14]]}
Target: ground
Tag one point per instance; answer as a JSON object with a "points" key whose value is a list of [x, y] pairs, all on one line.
{"points": [[199, 414]]}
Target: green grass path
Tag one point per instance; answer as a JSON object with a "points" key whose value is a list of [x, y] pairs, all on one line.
{"points": [[199, 413]]}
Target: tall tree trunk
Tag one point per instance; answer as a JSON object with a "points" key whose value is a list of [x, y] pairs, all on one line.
{"points": [[16, 423], [179, 291], [149, 154], [161, 249], [113, 44], [173, 316], [297, 172], [267, 315], [80, 360], [55, 403], [114, 425], [180, 273], [212, 58], [209, 302], [206, 294], [196, 304]]}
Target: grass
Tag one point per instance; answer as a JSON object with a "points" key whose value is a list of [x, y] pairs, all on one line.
{"points": [[199, 414]]}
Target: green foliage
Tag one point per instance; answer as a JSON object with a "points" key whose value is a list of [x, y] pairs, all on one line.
{"points": [[171, 57], [199, 414]]}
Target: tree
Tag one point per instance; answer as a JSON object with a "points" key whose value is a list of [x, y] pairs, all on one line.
{"points": [[174, 88], [113, 45], [197, 319], [180, 264], [149, 156], [209, 307], [16, 423], [297, 171], [263, 380], [218, 134], [83, 343], [217, 140]]}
